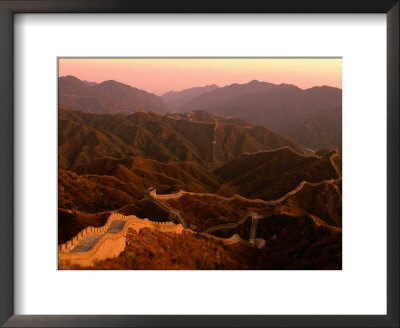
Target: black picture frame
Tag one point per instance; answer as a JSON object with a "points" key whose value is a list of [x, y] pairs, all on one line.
{"points": [[7, 10]]}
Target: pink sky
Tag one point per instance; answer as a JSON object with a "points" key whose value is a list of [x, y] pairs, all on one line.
{"points": [[159, 75]]}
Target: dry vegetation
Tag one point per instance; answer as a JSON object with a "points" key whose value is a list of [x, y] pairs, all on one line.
{"points": [[202, 212], [289, 246], [268, 176], [155, 250]]}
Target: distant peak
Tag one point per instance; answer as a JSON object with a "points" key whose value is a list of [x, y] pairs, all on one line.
{"points": [[89, 83], [289, 85], [251, 83], [323, 87], [208, 86], [69, 77], [115, 83]]}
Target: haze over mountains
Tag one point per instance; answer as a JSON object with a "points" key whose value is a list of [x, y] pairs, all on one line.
{"points": [[312, 117], [106, 97], [177, 99]]}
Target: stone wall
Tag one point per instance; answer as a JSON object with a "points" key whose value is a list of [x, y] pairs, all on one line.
{"points": [[111, 245], [89, 231], [172, 214]]}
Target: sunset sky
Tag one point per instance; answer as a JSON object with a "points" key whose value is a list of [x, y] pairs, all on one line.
{"points": [[159, 75]]}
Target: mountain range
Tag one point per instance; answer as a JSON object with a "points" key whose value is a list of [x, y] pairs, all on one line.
{"points": [[106, 97], [177, 99], [312, 117], [107, 161], [207, 140]]}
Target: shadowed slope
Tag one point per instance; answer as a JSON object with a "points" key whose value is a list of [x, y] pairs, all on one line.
{"points": [[269, 175], [154, 250], [300, 114], [203, 211], [176, 99], [108, 183], [84, 137], [106, 97]]}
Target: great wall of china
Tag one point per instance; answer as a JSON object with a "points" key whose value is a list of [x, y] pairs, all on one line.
{"points": [[92, 244], [240, 221], [151, 195], [260, 201], [95, 244], [279, 149]]}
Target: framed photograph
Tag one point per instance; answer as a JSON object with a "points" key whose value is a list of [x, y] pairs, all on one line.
{"points": [[199, 164]]}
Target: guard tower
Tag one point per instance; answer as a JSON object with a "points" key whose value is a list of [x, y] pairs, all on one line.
{"points": [[150, 193], [253, 229]]}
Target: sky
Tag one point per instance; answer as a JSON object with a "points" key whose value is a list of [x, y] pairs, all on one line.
{"points": [[159, 75]]}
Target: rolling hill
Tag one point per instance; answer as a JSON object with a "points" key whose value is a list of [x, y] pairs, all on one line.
{"points": [[312, 116], [169, 138], [176, 99], [108, 183], [106, 97], [269, 175]]}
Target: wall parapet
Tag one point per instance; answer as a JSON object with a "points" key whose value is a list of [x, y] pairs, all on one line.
{"points": [[90, 231], [113, 244], [172, 214]]}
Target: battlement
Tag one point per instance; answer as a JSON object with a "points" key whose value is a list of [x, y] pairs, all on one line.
{"points": [[150, 193], [111, 245]]}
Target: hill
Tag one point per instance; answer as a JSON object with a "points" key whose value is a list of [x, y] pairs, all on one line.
{"points": [[203, 211], [106, 97], [108, 183], [169, 138], [155, 250], [271, 174], [312, 116], [322, 130], [176, 99]]}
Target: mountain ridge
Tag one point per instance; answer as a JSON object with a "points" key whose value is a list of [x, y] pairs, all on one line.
{"points": [[108, 96], [165, 138], [176, 99], [283, 108]]}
